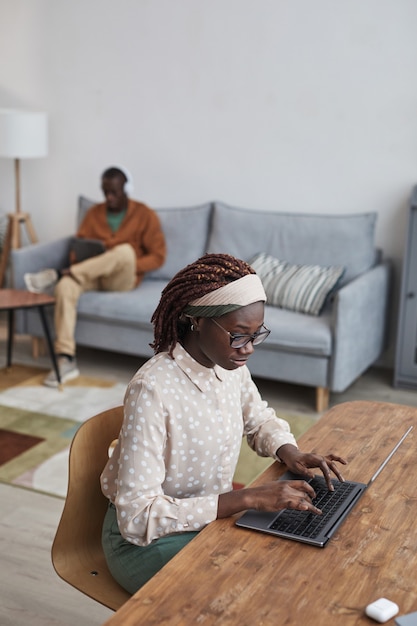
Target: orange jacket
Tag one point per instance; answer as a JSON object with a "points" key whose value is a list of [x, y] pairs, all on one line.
{"points": [[140, 227]]}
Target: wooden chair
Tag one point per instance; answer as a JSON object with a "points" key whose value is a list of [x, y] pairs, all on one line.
{"points": [[77, 554]]}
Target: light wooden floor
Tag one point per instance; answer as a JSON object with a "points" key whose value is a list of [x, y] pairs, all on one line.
{"points": [[30, 591]]}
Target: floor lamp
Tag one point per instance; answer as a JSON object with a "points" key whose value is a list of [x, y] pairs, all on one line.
{"points": [[23, 135]]}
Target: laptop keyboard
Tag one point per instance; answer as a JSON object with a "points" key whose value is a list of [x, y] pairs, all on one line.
{"points": [[306, 524]]}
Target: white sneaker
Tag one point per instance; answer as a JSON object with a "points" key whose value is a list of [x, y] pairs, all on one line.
{"points": [[68, 370], [41, 282]]}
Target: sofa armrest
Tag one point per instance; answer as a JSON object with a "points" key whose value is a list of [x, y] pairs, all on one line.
{"points": [[37, 257], [359, 325]]}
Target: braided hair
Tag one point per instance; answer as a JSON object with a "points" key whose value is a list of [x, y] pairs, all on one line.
{"points": [[208, 273]]}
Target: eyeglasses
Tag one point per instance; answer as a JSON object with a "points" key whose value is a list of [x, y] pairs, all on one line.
{"points": [[240, 341]]}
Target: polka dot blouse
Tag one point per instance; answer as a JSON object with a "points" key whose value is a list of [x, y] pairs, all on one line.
{"points": [[180, 442]]}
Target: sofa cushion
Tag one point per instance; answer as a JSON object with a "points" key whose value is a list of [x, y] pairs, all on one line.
{"points": [[290, 331], [185, 229], [327, 240], [186, 232], [302, 288], [296, 333], [131, 307]]}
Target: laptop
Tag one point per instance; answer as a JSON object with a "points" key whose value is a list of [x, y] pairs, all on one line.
{"points": [[86, 248], [307, 527]]}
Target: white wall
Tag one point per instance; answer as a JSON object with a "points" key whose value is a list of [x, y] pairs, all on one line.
{"points": [[278, 104]]}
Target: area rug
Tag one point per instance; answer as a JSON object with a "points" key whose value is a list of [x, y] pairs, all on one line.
{"points": [[37, 425]]}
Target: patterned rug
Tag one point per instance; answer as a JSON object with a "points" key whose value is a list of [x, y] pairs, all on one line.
{"points": [[37, 425]]}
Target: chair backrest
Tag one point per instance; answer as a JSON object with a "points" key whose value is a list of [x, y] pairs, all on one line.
{"points": [[77, 553]]}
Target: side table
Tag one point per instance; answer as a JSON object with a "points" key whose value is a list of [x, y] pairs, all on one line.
{"points": [[13, 299]]}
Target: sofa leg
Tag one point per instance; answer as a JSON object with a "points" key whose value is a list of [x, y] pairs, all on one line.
{"points": [[322, 399], [37, 347]]}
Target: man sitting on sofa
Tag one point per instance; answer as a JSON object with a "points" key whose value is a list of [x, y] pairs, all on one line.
{"points": [[133, 243]]}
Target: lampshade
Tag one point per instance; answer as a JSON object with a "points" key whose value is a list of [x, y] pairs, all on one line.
{"points": [[23, 134]]}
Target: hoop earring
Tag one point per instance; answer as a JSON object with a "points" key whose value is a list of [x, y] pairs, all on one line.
{"points": [[192, 327]]}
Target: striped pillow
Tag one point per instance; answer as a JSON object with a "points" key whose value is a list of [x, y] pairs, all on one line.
{"points": [[302, 288]]}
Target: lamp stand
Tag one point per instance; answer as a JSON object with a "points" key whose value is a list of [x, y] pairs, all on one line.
{"points": [[16, 220]]}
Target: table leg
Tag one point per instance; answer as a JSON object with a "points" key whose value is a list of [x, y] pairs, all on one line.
{"points": [[49, 342], [10, 335], [7, 245]]}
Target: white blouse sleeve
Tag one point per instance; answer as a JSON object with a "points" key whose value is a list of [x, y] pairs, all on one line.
{"points": [[264, 430]]}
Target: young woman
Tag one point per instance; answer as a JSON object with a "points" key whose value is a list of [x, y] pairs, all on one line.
{"points": [[185, 413]]}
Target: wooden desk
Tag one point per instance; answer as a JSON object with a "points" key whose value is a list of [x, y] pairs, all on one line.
{"points": [[231, 576], [12, 299]]}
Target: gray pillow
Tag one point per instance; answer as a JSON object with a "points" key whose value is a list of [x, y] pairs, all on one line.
{"points": [[185, 230], [83, 205], [300, 238], [301, 288]]}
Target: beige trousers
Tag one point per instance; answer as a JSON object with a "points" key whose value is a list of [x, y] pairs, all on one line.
{"points": [[114, 270]]}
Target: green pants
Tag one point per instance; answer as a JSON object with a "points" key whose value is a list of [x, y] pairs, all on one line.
{"points": [[132, 566]]}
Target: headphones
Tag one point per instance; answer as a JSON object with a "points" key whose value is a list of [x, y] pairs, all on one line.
{"points": [[128, 186]]}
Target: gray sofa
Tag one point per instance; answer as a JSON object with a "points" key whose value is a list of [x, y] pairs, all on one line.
{"points": [[327, 351]]}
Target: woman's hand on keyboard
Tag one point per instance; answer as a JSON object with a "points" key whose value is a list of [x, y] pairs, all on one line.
{"points": [[283, 494], [286, 494], [302, 462], [272, 496]]}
